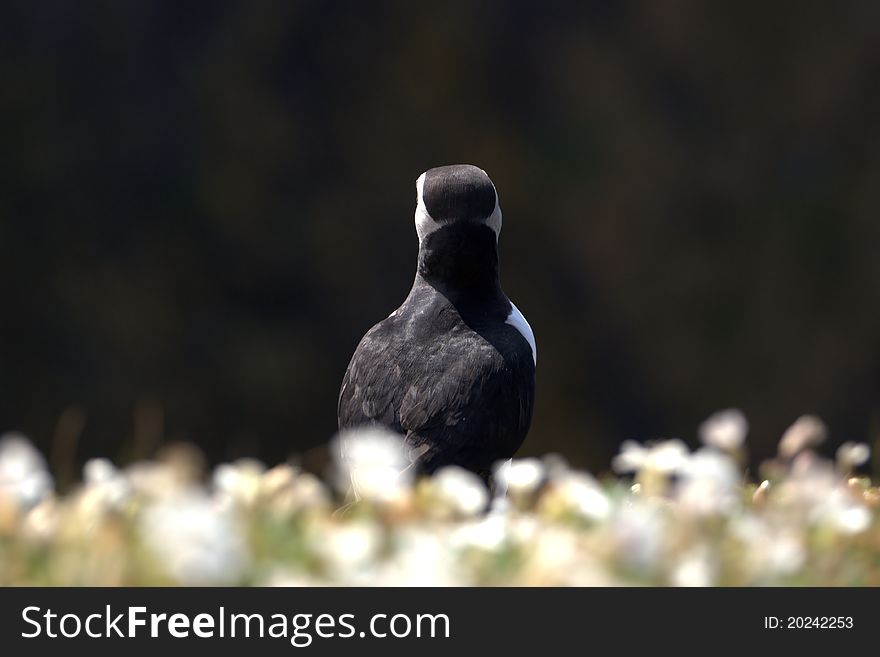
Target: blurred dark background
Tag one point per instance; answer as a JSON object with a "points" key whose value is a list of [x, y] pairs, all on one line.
{"points": [[204, 205]]}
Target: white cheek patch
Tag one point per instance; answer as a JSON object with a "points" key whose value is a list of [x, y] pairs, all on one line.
{"points": [[425, 224], [518, 321], [494, 220]]}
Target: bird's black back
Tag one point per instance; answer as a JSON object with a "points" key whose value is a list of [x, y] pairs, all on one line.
{"points": [[445, 370]]}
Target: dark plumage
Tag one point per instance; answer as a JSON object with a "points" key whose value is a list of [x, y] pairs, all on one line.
{"points": [[452, 369]]}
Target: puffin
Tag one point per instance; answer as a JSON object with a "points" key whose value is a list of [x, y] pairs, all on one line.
{"points": [[452, 370]]}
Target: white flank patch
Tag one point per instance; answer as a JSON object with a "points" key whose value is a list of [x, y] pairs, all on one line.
{"points": [[518, 321]]}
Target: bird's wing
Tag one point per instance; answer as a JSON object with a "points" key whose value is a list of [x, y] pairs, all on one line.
{"points": [[370, 389], [471, 408], [455, 400]]}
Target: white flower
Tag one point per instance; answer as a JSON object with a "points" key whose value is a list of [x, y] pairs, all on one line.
{"points": [[278, 479], [821, 496], [490, 533], [521, 527], [196, 540], [725, 430], [287, 490], [708, 483], [665, 457], [239, 482], [632, 457], [558, 556], [156, 480], [308, 493], [554, 554], [374, 462], [422, 557], [105, 486], [695, 568], [853, 519], [851, 455], [770, 550], [520, 477], [42, 521], [843, 512], [99, 471], [555, 465], [582, 494], [638, 532], [349, 549], [23, 475], [461, 490], [810, 481], [783, 553], [807, 431]]}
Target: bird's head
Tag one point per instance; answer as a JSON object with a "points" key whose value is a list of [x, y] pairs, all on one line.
{"points": [[453, 194]]}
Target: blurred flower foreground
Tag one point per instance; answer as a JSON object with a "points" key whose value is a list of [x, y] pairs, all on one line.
{"points": [[672, 517]]}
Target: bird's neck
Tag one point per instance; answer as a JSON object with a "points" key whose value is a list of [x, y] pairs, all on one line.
{"points": [[461, 262]]}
